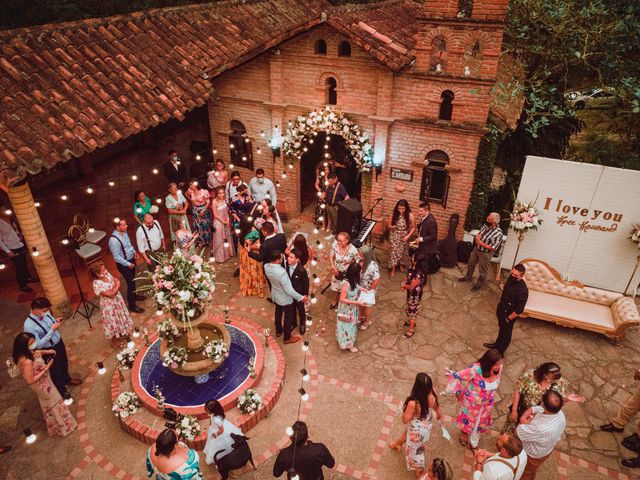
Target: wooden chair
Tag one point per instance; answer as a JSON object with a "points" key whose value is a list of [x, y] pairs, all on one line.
{"points": [[88, 252], [91, 234]]}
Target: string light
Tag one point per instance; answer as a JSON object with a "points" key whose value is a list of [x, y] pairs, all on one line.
{"points": [[314, 300], [91, 229], [111, 184], [244, 158], [305, 375], [326, 155], [284, 174], [63, 197], [35, 252], [326, 146], [215, 151], [250, 218], [159, 312], [320, 219], [277, 184], [89, 190], [232, 146], [309, 321], [225, 244], [291, 166], [101, 369], [311, 141], [230, 166], [305, 346], [37, 204], [289, 431], [314, 262], [2, 266], [237, 230], [136, 332], [315, 230], [322, 205], [198, 157], [65, 241], [30, 437], [246, 140], [116, 219], [303, 394], [316, 279], [131, 344], [305, 149], [258, 151], [158, 201], [262, 133], [8, 212], [67, 399], [155, 171]]}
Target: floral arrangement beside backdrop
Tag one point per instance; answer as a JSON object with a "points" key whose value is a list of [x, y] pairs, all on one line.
{"points": [[175, 357], [182, 285], [249, 402], [126, 357], [216, 350], [635, 235], [524, 217], [126, 404], [305, 127], [188, 427], [168, 331]]}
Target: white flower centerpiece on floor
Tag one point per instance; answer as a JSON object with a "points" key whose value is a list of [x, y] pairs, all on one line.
{"points": [[183, 286], [524, 217], [126, 357], [249, 402], [188, 427], [126, 404]]}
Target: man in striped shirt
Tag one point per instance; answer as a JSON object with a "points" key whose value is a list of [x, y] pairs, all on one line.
{"points": [[487, 242], [540, 429]]}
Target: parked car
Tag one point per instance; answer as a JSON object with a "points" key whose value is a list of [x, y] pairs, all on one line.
{"points": [[592, 98]]}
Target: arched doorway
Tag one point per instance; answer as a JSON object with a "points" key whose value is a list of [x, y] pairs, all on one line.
{"points": [[345, 167]]}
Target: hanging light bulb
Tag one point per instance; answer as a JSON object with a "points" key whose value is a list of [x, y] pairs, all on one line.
{"points": [[198, 157], [226, 243], [309, 321], [326, 155], [91, 229], [63, 197], [315, 230], [244, 158], [238, 231], [289, 431], [320, 219], [65, 241], [284, 174], [292, 474], [30, 437], [311, 141], [134, 177], [277, 184], [326, 146], [8, 212], [101, 369], [305, 346], [260, 207], [89, 190], [159, 312], [136, 332], [322, 205], [214, 151], [305, 375], [314, 262], [158, 201], [322, 174], [112, 183], [291, 166], [258, 151], [316, 279], [35, 252], [67, 399], [305, 149], [130, 344], [231, 166], [303, 394], [262, 133], [232, 146], [246, 140], [2, 266], [155, 171], [314, 300], [325, 164], [37, 204], [250, 218], [116, 219]]}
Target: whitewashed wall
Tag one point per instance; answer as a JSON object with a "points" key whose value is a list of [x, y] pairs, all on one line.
{"points": [[582, 196]]}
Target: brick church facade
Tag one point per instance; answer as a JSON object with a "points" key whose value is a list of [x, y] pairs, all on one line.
{"points": [[416, 79]]}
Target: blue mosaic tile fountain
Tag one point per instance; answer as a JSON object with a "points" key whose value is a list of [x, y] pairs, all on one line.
{"points": [[183, 391]]}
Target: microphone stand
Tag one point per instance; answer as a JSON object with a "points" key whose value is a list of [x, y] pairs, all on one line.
{"points": [[87, 306], [370, 212]]}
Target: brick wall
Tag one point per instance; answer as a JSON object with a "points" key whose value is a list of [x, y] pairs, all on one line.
{"points": [[401, 108]]}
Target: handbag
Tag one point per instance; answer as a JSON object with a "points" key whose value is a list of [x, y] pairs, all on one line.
{"points": [[346, 318], [12, 368], [522, 407]]}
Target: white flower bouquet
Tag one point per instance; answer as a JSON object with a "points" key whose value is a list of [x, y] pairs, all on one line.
{"points": [[188, 427], [175, 357], [216, 350], [635, 235], [249, 402], [168, 331], [126, 357], [126, 404], [524, 217]]}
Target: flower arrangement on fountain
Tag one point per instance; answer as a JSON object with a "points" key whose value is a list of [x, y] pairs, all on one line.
{"points": [[126, 404], [635, 235], [188, 427], [126, 357], [168, 331], [249, 402], [326, 120], [216, 350], [524, 217], [175, 357]]}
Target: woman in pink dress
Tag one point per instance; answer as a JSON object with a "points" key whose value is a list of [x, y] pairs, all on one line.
{"points": [[115, 316], [35, 372], [223, 248]]}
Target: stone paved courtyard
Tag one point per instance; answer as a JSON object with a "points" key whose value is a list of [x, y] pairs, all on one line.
{"points": [[355, 398]]}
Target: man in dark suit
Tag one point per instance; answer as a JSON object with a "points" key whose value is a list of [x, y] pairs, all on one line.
{"points": [[427, 231], [272, 241], [510, 307], [300, 283], [303, 456], [175, 170]]}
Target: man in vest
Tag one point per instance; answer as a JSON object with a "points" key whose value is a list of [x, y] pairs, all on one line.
{"points": [[125, 257], [507, 464], [150, 241]]}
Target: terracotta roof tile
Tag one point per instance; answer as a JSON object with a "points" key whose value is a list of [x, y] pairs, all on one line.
{"points": [[78, 86]]}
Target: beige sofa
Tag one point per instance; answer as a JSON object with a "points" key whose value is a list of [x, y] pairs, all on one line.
{"points": [[571, 304]]}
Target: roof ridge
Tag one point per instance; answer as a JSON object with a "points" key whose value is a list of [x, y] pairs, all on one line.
{"points": [[357, 7], [211, 7]]}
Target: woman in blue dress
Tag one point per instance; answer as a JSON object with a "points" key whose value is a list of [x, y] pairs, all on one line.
{"points": [[168, 459], [347, 321]]}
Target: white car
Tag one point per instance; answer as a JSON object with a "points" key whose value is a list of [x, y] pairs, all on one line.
{"points": [[593, 98]]}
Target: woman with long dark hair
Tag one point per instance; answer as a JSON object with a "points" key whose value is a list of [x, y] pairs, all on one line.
{"points": [[301, 245], [402, 224], [169, 459], [347, 322], [438, 470], [35, 372], [417, 415], [219, 440], [474, 388], [414, 286]]}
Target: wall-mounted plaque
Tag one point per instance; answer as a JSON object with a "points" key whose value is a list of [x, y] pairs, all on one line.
{"points": [[402, 174]]}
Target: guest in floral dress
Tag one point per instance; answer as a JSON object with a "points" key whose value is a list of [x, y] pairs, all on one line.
{"points": [[166, 453], [35, 372], [184, 240], [402, 224], [252, 279], [343, 253], [474, 388], [530, 388], [177, 206], [202, 219], [347, 319], [217, 177], [242, 204], [417, 414], [414, 285], [369, 281], [222, 234], [115, 316]]}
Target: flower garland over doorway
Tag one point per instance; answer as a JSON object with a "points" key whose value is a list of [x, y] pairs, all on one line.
{"points": [[326, 120]]}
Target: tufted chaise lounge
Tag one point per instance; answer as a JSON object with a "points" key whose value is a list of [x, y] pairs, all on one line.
{"points": [[571, 304]]}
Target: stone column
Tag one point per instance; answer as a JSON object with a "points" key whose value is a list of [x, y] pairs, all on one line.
{"points": [[35, 236]]}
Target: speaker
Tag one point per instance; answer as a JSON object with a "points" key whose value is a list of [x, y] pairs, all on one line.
{"points": [[349, 216]]}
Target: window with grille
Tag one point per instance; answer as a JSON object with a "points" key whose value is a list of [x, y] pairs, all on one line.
{"points": [[344, 50], [320, 47], [240, 151], [435, 178]]}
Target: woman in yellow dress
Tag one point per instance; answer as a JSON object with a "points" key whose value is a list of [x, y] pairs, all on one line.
{"points": [[252, 279]]}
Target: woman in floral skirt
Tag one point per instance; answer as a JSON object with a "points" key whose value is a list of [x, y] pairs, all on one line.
{"points": [[347, 322], [202, 219], [402, 224], [115, 316], [35, 372], [414, 285]]}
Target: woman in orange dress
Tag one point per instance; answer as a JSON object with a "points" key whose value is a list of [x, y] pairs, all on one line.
{"points": [[252, 279]]}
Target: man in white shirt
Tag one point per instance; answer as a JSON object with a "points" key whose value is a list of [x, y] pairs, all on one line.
{"points": [[540, 429], [261, 188], [507, 464], [13, 246], [150, 239]]}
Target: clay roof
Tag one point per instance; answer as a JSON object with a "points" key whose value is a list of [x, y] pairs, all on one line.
{"points": [[386, 30], [68, 89]]}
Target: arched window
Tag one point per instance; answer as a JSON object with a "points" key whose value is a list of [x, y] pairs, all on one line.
{"points": [[240, 151], [435, 178], [331, 95], [446, 105], [320, 47], [472, 58], [465, 8], [344, 49], [438, 59]]}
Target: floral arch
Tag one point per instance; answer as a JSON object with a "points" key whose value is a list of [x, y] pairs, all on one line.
{"points": [[300, 131]]}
